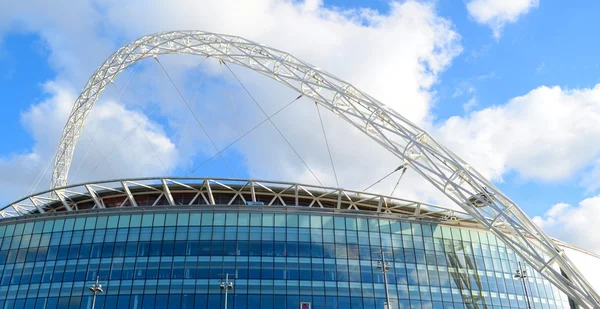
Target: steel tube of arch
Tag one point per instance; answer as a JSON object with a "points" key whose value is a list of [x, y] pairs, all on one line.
{"points": [[415, 147]]}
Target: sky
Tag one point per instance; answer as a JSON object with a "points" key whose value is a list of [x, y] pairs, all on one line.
{"points": [[510, 86]]}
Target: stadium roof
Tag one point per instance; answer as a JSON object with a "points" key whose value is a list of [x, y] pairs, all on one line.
{"points": [[227, 192]]}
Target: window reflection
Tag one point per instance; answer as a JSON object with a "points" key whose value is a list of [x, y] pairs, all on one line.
{"points": [[279, 260]]}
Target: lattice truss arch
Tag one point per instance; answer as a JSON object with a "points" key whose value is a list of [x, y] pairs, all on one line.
{"points": [[415, 147]]}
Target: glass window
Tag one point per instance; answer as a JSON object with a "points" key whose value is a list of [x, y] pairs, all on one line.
{"points": [[255, 219], [11, 229], [37, 228], [351, 224], [58, 226], [101, 222], [195, 219], [90, 223], [292, 220], [79, 224], [147, 220], [19, 229], [135, 221], [207, 219], [219, 220], [340, 223], [171, 220], [113, 222], [315, 222], [28, 228], [268, 220], [159, 220], [280, 220], [304, 221], [124, 221], [69, 223], [231, 219]]}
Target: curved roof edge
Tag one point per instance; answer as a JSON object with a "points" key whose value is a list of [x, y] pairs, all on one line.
{"points": [[225, 191]]}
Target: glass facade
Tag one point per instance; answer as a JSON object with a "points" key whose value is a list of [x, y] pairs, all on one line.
{"points": [[277, 258]]}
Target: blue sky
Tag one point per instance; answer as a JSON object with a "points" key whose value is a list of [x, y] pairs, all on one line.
{"points": [[519, 51]]}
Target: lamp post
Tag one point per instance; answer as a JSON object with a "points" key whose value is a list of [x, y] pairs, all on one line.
{"points": [[522, 275], [226, 285], [96, 288], [384, 266]]}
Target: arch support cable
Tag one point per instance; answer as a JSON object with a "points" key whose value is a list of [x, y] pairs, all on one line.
{"points": [[337, 183], [195, 116], [193, 104], [273, 123], [244, 135], [401, 167], [139, 127]]}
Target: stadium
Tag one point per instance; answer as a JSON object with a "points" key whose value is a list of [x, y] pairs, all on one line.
{"points": [[241, 243]]}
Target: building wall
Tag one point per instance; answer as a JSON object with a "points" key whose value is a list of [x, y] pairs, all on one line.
{"points": [[163, 257]]}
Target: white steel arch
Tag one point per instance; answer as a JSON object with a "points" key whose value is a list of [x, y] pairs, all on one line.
{"points": [[415, 147]]}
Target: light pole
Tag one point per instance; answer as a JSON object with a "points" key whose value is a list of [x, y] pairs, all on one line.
{"points": [[384, 266], [96, 288], [226, 285], [522, 275]]}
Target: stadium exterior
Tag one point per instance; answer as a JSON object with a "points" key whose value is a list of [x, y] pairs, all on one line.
{"points": [[231, 243], [166, 243]]}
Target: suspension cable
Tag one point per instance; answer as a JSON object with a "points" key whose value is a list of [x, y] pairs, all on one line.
{"points": [[139, 127], [271, 121], [227, 88], [83, 160], [115, 148], [399, 178], [102, 154], [196, 117], [94, 145], [235, 115], [327, 143], [193, 104], [245, 134], [47, 166], [120, 93], [386, 176], [40, 176]]}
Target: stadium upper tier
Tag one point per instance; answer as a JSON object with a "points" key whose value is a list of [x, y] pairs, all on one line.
{"points": [[199, 192]]}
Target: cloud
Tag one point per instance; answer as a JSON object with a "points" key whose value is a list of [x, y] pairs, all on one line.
{"points": [[45, 121], [542, 135], [396, 57], [348, 43], [574, 224], [470, 105], [545, 135], [496, 14]]}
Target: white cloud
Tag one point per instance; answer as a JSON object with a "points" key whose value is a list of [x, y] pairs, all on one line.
{"points": [[470, 105], [574, 224], [403, 52], [496, 13], [347, 43], [45, 121], [547, 134], [544, 134]]}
